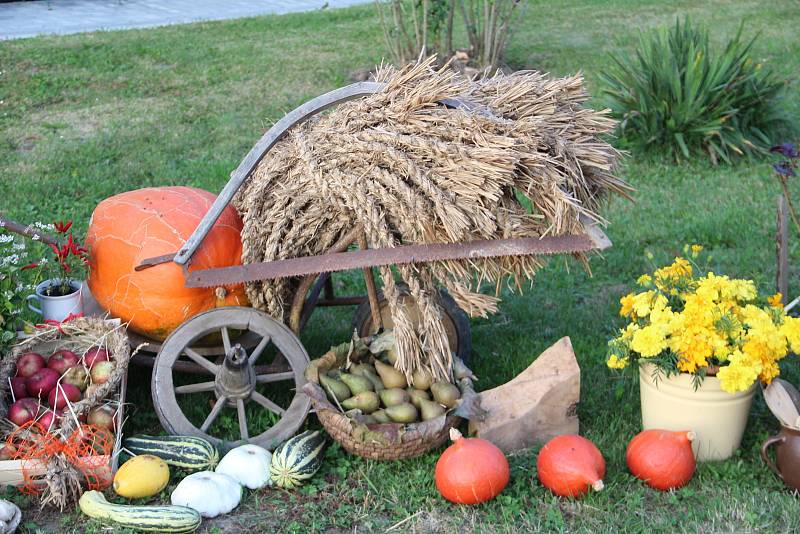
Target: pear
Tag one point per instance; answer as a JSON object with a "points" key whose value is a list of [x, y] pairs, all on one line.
{"points": [[368, 419], [357, 384], [393, 396], [430, 410], [391, 377], [334, 387], [373, 377], [416, 395], [334, 373], [366, 401], [421, 379], [402, 413], [359, 369], [391, 354], [380, 416], [445, 393]]}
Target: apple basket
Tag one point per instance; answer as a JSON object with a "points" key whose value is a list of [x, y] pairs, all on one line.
{"points": [[48, 447]]}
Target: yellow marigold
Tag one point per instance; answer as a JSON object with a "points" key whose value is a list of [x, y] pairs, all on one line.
{"points": [[649, 341], [626, 305], [694, 345], [626, 334], [696, 249], [645, 302], [775, 300], [644, 280], [769, 371], [791, 330], [739, 374], [615, 362], [680, 268]]}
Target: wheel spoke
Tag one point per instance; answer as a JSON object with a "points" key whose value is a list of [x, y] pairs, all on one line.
{"points": [[242, 419], [258, 350], [201, 361], [266, 403], [226, 339], [275, 377], [195, 388], [220, 404]]}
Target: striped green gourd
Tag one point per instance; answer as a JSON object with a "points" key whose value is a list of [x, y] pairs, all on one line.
{"points": [[140, 518], [297, 459], [187, 452]]}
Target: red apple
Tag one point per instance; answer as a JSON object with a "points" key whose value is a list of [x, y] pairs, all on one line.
{"points": [[30, 363], [101, 372], [18, 387], [61, 360], [7, 452], [102, 416], [60, 394], [49, 420], [77, 376], [23, 411], [40, 383], [95, 355]]}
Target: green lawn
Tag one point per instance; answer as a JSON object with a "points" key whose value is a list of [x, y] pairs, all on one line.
{"points": [[87, 116]]}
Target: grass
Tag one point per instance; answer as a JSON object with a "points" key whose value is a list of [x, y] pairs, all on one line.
{"points": [[84, 117]]}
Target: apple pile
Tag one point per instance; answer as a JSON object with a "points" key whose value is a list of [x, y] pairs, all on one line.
{"points": [[42, 387]]}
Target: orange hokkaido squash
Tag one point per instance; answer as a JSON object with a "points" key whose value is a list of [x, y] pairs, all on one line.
{"points": [[569, 465], [471, 470], [662, 458], [130, 227]]}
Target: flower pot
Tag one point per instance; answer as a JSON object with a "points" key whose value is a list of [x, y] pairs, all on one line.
{"points": [[717, 417], [56, 308]]}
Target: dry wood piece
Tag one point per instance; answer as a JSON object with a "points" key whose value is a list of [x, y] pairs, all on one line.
{"points": [[526, 160], [537, 405]]}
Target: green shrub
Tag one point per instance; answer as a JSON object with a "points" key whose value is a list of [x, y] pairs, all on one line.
{"points": [[677, 94]]}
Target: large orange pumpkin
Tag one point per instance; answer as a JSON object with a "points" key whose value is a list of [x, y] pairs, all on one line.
{"points": [[130, 227]]}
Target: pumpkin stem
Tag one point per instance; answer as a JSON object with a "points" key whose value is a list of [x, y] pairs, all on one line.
{"points": [[598, 485], [691, 435], [455, 435]]}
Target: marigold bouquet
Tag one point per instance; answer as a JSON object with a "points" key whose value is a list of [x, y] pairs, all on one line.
{"points": [[702, 325]]}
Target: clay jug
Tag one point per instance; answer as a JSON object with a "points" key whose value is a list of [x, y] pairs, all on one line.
{"points": [[787, 455]]}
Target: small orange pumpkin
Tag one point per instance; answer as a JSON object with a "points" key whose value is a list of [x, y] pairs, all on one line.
{"points": [[662, 458], [471, 470], [130, 227], [569, 465]]}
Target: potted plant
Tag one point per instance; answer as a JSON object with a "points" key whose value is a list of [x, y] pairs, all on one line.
{"points": [[59, 294], [701, 344]]}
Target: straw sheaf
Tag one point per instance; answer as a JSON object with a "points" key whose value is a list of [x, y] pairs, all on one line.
{"points": [[408, 170]]}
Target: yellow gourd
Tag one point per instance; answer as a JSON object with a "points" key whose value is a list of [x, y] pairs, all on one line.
{"points": [[141, 476]]}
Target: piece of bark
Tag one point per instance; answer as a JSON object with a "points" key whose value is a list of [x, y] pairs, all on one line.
{"points": [[538, 404]]}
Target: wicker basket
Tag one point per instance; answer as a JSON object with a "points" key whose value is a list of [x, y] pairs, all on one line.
{"points": [[380, 441]]}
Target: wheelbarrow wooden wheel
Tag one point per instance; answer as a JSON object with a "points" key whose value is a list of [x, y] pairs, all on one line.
{"points": [[232, 384], [455, 321]]}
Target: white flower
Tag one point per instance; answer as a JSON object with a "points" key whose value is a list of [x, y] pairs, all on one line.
{"points": [[5, 238]]}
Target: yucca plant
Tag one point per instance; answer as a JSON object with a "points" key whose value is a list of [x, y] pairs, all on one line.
{"points": [[678, 94]]}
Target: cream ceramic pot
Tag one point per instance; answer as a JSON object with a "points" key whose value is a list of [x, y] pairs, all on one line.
{"points": [[717, 417]]}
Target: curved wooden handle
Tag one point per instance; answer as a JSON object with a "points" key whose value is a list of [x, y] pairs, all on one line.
{"points": [[764, 456], [269, 139]]}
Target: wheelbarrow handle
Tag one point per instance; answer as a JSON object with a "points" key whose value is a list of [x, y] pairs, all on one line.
{"points": [[27, 231], [249, 163]]}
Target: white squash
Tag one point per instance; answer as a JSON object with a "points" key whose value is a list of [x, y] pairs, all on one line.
{"points": [[10, 516], [248, 465], [210, 493]]}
